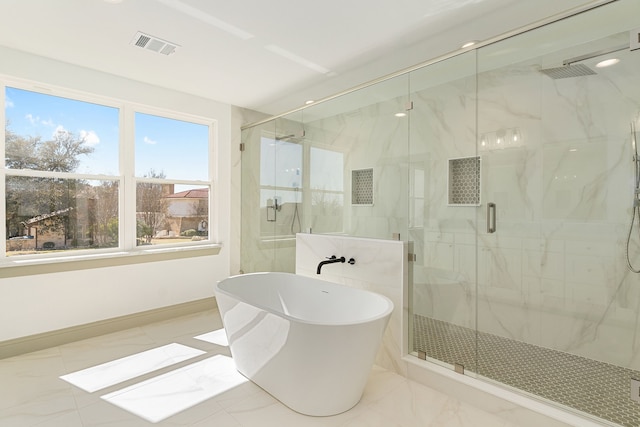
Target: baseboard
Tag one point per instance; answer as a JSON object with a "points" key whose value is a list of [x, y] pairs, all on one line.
{"points": [[58, 337]]}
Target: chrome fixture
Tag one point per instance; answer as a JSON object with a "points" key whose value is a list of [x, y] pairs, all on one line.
{"points": [[636, 193], [293, 136], [491, 218], [571, 68], [274, 205]]}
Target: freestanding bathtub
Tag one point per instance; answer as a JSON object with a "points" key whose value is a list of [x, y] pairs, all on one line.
{"points": [[309, 343]]}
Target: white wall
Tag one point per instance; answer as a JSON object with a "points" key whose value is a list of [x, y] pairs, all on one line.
{"points": [[37, 303]]}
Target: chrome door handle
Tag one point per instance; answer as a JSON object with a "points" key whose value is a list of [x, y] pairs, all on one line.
{"points": [[491, 218]]}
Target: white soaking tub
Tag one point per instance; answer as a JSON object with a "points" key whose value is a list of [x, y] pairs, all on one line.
{"points": [[309, 343]]}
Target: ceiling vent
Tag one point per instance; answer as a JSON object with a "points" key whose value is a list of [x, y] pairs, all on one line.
{"points": [[154, 44]]}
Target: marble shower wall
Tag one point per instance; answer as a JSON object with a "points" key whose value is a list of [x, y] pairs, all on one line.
{"points": [[334, 144], [381, 266], [554, 274], [367, 132]]}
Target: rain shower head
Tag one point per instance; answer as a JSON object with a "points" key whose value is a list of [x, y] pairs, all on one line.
{"points": [[568, 71], [570, 68], [293, 136]]}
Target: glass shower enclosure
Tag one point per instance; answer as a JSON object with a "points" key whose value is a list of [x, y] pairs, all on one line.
{"points": [[510, 169]]}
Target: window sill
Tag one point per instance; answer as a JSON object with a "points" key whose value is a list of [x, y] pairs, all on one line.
{"points": [[14, 266]]}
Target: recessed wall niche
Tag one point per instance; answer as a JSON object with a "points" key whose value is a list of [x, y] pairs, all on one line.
{"points": [[362, 187], [464, 181]]}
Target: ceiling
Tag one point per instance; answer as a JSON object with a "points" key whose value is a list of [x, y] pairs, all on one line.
{"points": [[269, 56]]}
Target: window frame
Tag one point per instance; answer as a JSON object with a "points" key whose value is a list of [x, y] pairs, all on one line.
{"points": [[126, 179]]}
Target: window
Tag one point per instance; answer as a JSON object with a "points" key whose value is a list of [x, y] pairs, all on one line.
{"points": [[54, 213], [55, 134], [49, 142], [64, 175], [172, 187]]}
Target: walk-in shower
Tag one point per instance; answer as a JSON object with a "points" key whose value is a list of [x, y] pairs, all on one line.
{"points": [[543, 303]]}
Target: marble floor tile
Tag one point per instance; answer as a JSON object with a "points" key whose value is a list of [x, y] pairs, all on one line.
{"points": [[265, 411], [371, 419], [101, 349], [220, 419], [30, 378], [191, 392]]}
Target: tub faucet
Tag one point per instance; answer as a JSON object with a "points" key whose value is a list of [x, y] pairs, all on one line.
{"points": [[331, 260]]}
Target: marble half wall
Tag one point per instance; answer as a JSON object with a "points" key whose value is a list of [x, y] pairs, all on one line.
{"points": [[381, 266]]}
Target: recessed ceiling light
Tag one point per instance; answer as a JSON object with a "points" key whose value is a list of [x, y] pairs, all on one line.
{"points": [[311, 101], [469, 44], [400, 114], [607, 62]]}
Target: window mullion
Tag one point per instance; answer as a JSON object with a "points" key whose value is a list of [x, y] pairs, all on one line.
{"points": [[128, 192]]}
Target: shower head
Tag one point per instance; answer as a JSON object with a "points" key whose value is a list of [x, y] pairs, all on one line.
{"points": [[568, 71], [571, 69], [293, 136]]}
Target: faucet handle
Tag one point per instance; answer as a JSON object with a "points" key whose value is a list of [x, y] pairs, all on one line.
{"points": [[351, 261], [331, 257]]}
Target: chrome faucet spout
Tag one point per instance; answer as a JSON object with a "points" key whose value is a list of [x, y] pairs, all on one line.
{"points": [[331, 260]]}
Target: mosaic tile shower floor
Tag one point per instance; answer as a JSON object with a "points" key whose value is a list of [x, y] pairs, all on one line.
{"points": [[593, 387]]}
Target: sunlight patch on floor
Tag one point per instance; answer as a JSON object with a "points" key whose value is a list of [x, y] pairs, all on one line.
{"points": [[167, 394], [218, 337], [126, 368]]}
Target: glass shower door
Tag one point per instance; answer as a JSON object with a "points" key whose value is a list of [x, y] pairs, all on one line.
{"points": [[557, 306], [442, 220], [255, 255], [272, 176], [515, 259]]}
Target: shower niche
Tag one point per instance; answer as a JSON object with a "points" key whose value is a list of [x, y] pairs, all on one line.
{"points": [[362, 187], [463, 184]]}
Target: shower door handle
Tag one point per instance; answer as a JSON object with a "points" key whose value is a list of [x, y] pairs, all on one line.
{"points": [[491, 218]]}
